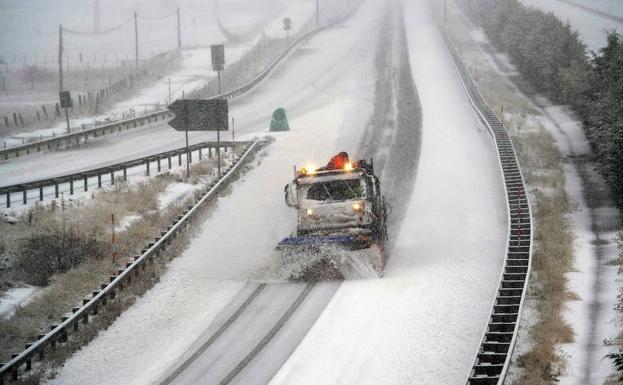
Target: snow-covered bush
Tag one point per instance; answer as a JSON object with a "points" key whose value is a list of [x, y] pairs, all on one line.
{"points": [[54, 251]]}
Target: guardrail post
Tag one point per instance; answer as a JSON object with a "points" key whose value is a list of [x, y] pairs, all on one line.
{"points": [[125, 174], [169, 159], [8, 199], [56, 190], [99, 180], [209, 152], [41, 193], [28, 365], [147, 166], [25, 198], [200, 154], [86, 184], [112, 177], [71, 186], [159, 165], [179, 157]]}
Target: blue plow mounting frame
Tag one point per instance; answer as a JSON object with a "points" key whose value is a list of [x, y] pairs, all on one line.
{"points": [[349, 241]]}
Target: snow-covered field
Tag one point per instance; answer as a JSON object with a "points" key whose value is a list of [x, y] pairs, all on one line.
{"points": [[593, 28], [195, 70], [30, 28], [595, 280]]}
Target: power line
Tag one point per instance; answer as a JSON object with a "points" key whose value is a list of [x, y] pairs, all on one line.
{"points": [[158, 17], [119, 26], [101, 32]]}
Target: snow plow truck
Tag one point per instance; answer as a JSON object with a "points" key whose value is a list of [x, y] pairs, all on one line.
{"points": [[341, 222]]}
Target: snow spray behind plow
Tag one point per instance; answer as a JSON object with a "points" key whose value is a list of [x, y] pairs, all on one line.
{"points": [[322, 263]]}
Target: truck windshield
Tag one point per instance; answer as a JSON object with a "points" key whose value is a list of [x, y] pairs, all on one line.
{"points": [[339, 190]]}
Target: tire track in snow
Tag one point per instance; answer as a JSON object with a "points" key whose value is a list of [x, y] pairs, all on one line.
{"points": [[215, 336], [268, 337], [393, 139], [207, 363]]}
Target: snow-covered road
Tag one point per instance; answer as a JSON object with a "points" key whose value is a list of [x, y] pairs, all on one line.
{"points": [[422, 323], [236, 243]]}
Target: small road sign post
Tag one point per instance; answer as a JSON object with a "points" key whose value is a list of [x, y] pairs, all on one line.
{"points": [[218, 61], [114, 251], [201, 115], [218, 65], [287, 26], [66, 103]]}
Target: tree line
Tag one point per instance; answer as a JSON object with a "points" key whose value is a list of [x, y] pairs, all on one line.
{"points": [[551, 56]]}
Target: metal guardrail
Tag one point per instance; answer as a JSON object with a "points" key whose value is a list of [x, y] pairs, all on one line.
{"points": [[59, 332], [79, 136], [494, 355], [84, 176], [83, 135]]}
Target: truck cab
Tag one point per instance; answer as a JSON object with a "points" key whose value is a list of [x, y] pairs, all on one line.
{"points": [[338, 202]]}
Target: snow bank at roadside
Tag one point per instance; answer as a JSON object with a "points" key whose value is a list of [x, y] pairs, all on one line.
{"points": [[17, 296]]}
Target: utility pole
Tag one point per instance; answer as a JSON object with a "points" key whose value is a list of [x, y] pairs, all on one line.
{"points": [[317, 13], [60, 57], [179, 34], [136, 41], [96, 16], [60, 75]]}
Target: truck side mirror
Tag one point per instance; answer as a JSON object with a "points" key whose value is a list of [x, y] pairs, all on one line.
{"points": [[290, 191]]}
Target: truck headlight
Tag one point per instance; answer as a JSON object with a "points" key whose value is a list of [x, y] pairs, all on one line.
{"points": [[357, 206], [309, 211]]}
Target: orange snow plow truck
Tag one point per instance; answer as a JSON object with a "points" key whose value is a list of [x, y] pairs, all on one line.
{"points": [[341, 227]]}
